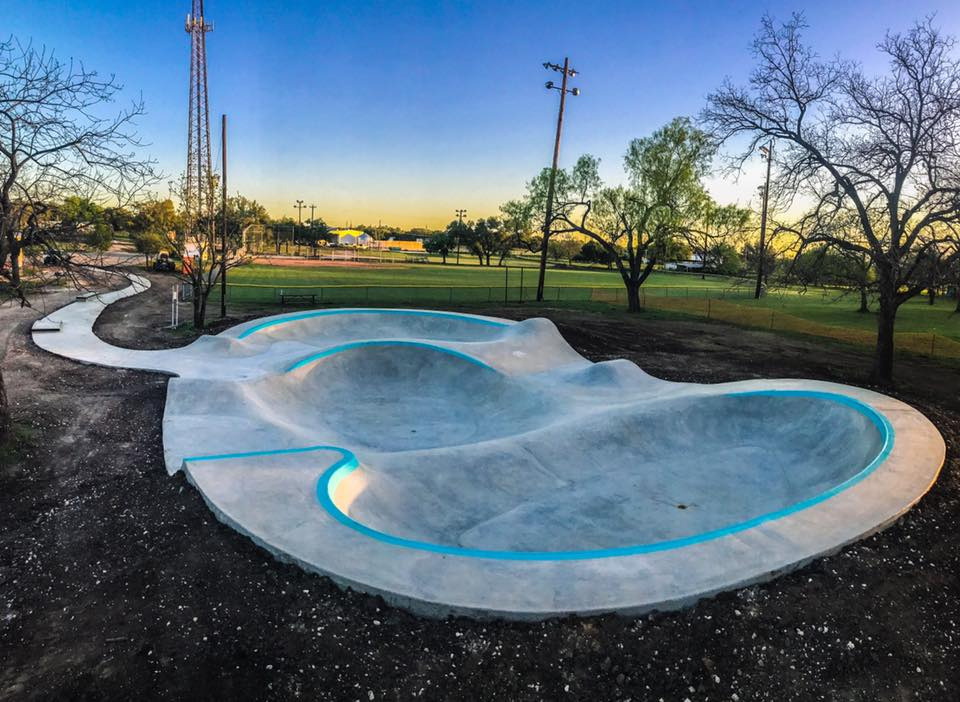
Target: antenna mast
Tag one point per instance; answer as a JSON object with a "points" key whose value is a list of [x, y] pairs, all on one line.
{"points": [[200, 185]]}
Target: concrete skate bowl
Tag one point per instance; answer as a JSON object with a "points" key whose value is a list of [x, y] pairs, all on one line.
{"points": [[464, 464], [663, 474]]}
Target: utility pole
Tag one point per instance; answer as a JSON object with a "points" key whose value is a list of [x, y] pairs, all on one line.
{"points": [[567, 73], [312, 208], [299, 207], [223, 234], [767, 152], [460, 214]]}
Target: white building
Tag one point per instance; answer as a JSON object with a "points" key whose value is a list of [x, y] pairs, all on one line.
{"points": [[350, 237]]}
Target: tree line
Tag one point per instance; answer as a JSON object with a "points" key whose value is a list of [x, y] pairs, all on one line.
{"points": [[870, 164]]}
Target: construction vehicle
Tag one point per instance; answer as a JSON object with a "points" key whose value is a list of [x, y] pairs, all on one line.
{"points": [[164, 264]]}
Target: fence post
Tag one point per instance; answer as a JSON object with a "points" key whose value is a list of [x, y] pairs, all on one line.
{"points": [[506, 279], [521, 285]]}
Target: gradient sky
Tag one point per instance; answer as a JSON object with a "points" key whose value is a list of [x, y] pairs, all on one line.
{"points": [[404, 111]]}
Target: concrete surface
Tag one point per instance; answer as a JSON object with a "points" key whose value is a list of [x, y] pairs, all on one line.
{"points": [[466, 464]]}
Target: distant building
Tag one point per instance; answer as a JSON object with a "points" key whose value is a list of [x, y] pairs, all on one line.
{"points": [[694, 263], [350, 237], [395, 245]]}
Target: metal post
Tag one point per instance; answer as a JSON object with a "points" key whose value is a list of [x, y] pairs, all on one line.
{"points": [[763, 223], [223, 236], [553, 172], [460, 214]]}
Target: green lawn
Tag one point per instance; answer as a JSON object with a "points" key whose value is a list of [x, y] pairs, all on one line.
{"points": [[462, 275], [838, 310], [430, 283]]}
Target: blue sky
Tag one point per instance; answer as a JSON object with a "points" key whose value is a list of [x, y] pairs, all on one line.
{"points": [[404, 111]]}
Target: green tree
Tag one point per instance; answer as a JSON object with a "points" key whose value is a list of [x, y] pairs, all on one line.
{"points": [[149, 243], [646, 216], [726, 260], [563, 248], [518, 227], [489, 238], [98, 236], [591, 252], [716, 227], [441, 243]]}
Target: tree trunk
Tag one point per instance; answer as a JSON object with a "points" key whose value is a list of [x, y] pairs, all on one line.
{"points": [[882, 372], [633, 295], [199, 308], [864, 303], [931, 295], [5, 421]]}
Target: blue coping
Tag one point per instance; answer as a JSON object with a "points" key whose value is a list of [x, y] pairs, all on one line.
{"points": [[368, 310], [334, 474], [312, 358]]}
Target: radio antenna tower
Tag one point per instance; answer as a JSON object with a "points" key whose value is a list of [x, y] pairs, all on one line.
{"points": [[199, 187]]}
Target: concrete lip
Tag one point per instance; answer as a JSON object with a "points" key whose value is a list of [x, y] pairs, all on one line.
{"points": [[466, 464]]}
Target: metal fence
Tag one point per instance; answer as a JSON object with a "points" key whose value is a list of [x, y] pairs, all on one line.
{"points": [[924, 343], [251, 293]]}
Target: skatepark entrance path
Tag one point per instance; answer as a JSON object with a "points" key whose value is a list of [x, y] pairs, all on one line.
{"points": [[465, 464]]}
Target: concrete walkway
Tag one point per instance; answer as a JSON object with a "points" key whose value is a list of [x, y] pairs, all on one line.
{"points": [[468, 464]]}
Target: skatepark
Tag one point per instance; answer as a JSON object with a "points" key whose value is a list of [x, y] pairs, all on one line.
{"points": [[458, 463]]}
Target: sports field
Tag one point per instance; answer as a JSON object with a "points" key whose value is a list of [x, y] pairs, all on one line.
{"points": [[469, 283], [462, 275]]}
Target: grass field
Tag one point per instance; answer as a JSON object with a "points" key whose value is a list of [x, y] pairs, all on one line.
{"points": [[826, 307], [462, 275]]}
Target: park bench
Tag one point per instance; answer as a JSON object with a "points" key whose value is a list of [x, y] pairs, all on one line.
{"points": [[303, 299]]}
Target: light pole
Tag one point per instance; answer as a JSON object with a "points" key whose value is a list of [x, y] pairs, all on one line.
{"points": [[223, 234], [299, 207], [567, 73], [767, 152], [313, 231], [460, 214]]}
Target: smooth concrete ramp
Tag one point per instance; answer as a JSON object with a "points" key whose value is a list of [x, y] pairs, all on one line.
{"points": [[465, 464]]}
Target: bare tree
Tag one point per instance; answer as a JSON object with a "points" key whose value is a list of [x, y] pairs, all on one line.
{"points": [[636, 223], [884, 149], [55, 143], [200, 246]]}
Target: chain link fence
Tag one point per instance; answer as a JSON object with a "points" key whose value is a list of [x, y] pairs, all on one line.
{"points": [[713, 303]]}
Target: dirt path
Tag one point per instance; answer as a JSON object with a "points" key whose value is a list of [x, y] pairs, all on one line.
{"points": [[117, 582]]}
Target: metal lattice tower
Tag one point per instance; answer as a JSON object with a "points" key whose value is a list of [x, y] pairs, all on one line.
{"points": [[199, 186]]}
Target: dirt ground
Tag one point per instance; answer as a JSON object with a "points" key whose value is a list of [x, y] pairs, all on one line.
{"points": [[117, 582]]}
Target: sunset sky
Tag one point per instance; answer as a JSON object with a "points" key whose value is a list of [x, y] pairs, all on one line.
{"points": [[405, 111]]}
